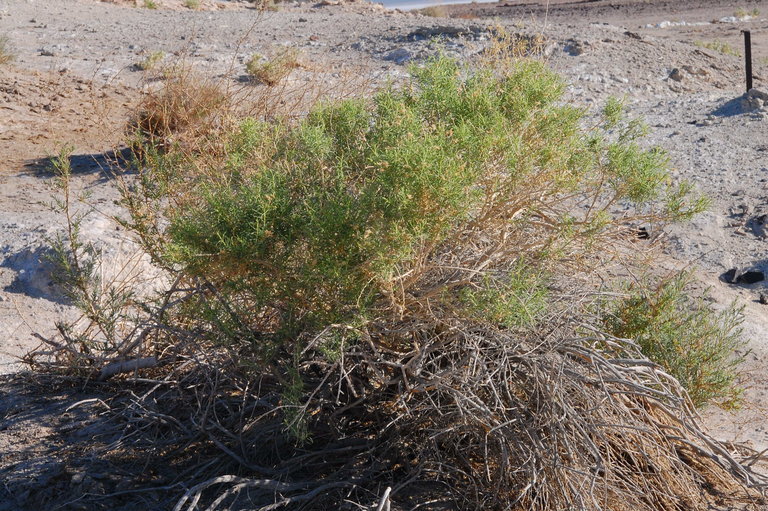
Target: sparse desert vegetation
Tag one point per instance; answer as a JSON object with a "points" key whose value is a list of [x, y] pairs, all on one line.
{"points": [[741, 12], [435, 11], [271, 71], [414, 229], [6, 53], [150, 61], [685, 336], [426, 271], [719, 46]]}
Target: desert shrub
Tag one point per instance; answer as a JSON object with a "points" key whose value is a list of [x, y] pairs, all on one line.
{"points": [[192, 4], [434, 11], [150, 61], [684, 335], [272, 71], [741, 12], [265, 5], [106, 331], [395, 281], [6, 53], [397, 201], [719, 46]]}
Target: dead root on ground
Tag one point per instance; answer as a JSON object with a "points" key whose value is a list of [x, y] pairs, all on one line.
{"points": [[443, 415]]}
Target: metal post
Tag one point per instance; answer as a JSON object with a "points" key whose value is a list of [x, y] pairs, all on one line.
{"points": [[748, 57]]}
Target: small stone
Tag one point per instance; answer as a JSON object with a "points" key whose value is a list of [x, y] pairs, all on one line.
{"points": [[763, 299], [731, 275], [750, 277], [676, 75], [758, 94], [575, 48], [736, 276], [399, 56], [313, 38], [302, 20]]}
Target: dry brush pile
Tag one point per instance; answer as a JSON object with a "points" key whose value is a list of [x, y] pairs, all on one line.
{"points": [[388, 303]]}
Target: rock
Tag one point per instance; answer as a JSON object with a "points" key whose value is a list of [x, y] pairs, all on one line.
{"points": [[763, 299], [422, 33], [575, 48], [753, 100], [730, 275], [399, 56], [757, 93], [676, 75], [751, 277], [736, 276], [760, 226], [695, 71], [302, 20]]}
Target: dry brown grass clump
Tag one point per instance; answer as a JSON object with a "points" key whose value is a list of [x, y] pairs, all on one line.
{"points": [[272, 71], [6, 53], [434, 11], [186, 111]]}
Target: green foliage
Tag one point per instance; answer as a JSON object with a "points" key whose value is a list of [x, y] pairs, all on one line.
{"points": [[295, 420], [78, 271], [741, 12], [150, 4], [719, 46], [150, 61], [451, 196], [685, 336], [518, 299], [192, 4], [323, 220]]}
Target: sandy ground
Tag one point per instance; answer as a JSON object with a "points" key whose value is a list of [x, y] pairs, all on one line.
{"points": [[74, 81]]}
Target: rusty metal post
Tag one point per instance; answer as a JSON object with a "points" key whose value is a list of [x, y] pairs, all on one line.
{"points": [[748, 57]]}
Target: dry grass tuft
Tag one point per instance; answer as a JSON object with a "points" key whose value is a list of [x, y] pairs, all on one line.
{"points": [[271, 72], [434, 11], [150, 61], [186, 111], [719, 46], [6, 53]]}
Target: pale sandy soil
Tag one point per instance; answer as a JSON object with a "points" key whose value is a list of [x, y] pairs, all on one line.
{"points": [[73, 82]]}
